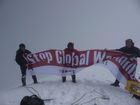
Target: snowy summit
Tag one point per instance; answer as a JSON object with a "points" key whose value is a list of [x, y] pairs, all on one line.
{"points": [[92, 88]]}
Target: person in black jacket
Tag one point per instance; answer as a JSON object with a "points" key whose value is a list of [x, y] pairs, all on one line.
{"points": [[129, 49], [21, 61]]}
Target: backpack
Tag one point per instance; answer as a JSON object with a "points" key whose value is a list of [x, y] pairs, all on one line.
{"points": [[31, 100], [137, 97]]}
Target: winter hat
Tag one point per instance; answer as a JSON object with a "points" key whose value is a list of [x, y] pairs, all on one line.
{"points": [[129, 40], [21, 45], [70, 44]]}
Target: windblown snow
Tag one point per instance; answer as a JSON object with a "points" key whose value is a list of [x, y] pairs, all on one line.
{"points": [[92, 88]]}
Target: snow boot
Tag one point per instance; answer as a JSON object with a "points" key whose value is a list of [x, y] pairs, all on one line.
{"points": [[34, 79], [63, 79], [73, 78], [116, 84], [23, 79]]}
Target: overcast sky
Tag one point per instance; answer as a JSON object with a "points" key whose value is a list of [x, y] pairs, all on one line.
{"points": [[51, 24]]}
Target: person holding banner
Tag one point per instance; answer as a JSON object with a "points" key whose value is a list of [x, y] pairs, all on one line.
{"points": [[129, 49], [22, 62], [69, 50]]}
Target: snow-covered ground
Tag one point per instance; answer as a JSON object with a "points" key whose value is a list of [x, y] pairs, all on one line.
{"points": [[92, 88]]}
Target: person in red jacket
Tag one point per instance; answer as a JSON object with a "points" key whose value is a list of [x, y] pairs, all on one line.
{"points": [[21, 61], [69, 50], [129, 49]]}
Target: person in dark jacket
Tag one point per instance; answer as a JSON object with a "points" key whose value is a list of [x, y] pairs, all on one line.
{"points": [[21, 61], [69, 49], [129, 49]]}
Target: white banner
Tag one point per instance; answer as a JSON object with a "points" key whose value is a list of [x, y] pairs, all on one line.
{"points": [[59, 62]]}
